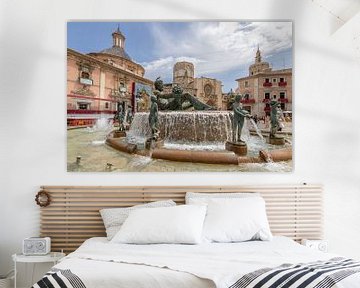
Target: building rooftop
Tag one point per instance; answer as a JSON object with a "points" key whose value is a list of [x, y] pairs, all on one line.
{"points": [[267, 73], [116, 51], [118, 48]]}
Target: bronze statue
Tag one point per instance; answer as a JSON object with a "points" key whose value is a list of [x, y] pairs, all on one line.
{"points": [[159, 84], [153, 118], [275, 113], [239, 119], [177, 100], [120, 116], [177, 92], [129, 115]]}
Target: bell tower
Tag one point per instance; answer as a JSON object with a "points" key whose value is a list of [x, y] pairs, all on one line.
{"points": [[258, 56], [183, 73], [118, 38], [259, 66]]}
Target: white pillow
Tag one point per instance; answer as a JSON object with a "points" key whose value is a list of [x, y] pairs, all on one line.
{"points": [[180, 224], [236, 220], [204, 198], [113, 218]]}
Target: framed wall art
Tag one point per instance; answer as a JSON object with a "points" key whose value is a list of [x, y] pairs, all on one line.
{"points": [[179, 96]]}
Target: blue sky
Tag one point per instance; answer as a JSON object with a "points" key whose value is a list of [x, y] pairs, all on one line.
{"points": [[221, 50]]}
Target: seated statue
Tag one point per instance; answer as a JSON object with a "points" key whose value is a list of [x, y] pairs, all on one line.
{"points": [[177, 100]]}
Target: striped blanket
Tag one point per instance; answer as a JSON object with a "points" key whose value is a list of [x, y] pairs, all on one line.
{"points": [[59, 278], [320, 274]]}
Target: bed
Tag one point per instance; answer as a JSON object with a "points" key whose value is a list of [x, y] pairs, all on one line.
{"points": [[293, 210]]}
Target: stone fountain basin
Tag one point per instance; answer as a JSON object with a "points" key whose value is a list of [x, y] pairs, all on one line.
{"points": [[190, 128], [198, 156]]}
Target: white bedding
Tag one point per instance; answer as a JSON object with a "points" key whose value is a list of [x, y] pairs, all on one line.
{"points": [[100, 263]]}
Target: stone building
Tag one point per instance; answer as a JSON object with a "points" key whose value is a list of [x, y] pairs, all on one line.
{"points": [[262, 85], [98, 80], [207, 90]]}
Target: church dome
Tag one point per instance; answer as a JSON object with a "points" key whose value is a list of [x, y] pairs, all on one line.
{"points": [[116, 51], [118, 48]]}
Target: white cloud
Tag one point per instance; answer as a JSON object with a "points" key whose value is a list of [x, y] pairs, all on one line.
{"points": [[216, 47]]}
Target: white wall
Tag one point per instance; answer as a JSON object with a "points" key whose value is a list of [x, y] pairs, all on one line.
{"points": [[33, 108]]}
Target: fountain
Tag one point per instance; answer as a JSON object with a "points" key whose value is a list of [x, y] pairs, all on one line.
{"points": [[172, 130]]}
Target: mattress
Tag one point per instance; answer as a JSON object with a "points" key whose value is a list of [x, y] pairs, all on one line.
{"points": [[99, 263]]}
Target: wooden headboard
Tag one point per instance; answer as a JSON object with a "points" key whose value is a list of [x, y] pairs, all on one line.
{"points": [[73, 214]]}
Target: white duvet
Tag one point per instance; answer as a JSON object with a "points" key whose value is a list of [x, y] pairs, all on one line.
{"points": [[100, 263]]}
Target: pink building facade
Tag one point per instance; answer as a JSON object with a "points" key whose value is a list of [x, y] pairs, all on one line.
{"points": [[264, 84], [97, 81]]}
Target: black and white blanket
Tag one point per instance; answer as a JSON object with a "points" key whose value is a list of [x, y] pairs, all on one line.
{"points": [[320, 274], [59, 278]]}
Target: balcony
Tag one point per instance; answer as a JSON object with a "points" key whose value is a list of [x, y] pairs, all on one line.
{"points": [[267, 84], [283, 100], [282, 84], [86, 111], [248, 101], [267, 108], [266, 100]]}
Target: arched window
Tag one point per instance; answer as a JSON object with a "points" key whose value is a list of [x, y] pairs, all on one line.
{"points": [[85, 75]]}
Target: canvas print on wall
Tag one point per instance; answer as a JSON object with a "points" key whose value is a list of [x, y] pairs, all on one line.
{"points": [[179, 96]]}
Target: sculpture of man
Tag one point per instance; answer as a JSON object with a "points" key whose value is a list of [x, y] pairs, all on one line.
{"points": [[153, 118], [274, 117], [121, 116], [129, 115], [159, 84], [177, 92], [239, 118]]}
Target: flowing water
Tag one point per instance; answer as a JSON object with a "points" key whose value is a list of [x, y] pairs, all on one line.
{"points": [[184, 127], [257, 130], [101, 124]]}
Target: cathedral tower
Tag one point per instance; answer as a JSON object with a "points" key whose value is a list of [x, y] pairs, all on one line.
{"points": [[183, 74]]}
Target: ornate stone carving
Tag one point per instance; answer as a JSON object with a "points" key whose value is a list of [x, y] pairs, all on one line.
{"points": [[85, 90], [208, 90]]}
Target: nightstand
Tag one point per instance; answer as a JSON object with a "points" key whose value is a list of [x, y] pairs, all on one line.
{"points": [[53, 257], [320, 245]]}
